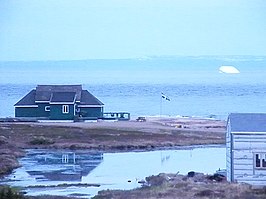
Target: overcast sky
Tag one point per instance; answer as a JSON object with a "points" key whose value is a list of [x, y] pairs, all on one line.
{"points": [[97, 29]]}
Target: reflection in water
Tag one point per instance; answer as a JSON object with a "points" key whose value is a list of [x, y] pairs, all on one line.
{"points": [[164, 158], [60, 165], [109, 170]]}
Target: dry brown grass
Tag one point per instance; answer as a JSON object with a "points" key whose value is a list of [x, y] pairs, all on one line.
{"points": [[169, 186], [43, 136]]}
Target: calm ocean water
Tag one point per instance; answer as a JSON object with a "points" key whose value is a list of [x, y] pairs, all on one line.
{"points": [[193, 84]]}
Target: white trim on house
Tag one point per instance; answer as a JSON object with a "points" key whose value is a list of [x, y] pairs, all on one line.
{"points": [[26, 106], [90, 106], [240, 132], [75, 98], [259, 160], [65, 109], [74, 109], [55, 121], [47, 108], [62, 102], [42, 102]]}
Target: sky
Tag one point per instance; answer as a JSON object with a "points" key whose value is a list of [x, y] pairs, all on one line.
{"points": [[116, 29]]}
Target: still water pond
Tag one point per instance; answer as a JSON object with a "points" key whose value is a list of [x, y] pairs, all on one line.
{"points": [[107, 170]]}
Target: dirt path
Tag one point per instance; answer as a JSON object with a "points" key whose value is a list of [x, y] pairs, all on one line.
{"points": [[152, 124]]}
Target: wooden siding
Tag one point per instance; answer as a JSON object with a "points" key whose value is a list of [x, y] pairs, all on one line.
{"points": [[56, 112], [253, 180], [91, 112], [41, 110], [243, 147], [26, 112], [228, 155]]}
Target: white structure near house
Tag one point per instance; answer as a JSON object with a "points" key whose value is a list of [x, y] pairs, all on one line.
{"points": [[246, 148]]}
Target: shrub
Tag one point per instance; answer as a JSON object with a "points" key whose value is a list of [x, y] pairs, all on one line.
{"points": [[41, 141], [8, 193]]}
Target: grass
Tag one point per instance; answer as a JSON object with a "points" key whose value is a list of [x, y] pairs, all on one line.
{"points": [[25, 135], [169, 186]]}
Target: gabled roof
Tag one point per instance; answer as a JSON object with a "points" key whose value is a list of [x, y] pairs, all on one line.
{"points": [[247, 122], [43, 92], [59, 97], [28, 100], [88, 99]]}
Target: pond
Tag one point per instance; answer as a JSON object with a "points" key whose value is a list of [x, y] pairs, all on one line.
{"points": [[83, 173]]}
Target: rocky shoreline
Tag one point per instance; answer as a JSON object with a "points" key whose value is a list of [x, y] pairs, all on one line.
{"points": [[192, 185]]}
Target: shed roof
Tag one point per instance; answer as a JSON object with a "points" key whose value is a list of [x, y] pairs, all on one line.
{"points": [[247, 122]]}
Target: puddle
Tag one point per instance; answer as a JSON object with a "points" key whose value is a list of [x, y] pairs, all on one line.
{"points": [[83, 173]]}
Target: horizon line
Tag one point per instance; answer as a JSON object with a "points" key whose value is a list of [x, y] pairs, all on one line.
{"points": [[136, 58]]}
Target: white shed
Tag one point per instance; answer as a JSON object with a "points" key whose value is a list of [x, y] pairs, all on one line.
{"points": [[246, 148]]}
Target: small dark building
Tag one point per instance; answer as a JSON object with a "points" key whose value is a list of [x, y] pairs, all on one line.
{"points": [[59, 102]]}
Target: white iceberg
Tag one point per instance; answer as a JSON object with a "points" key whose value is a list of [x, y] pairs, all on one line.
{"points": [[229, 70]]}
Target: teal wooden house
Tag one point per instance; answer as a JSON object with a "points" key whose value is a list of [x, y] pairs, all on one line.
{"points": [[59, 102]]}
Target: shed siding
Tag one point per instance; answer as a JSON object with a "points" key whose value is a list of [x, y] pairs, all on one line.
{"points": [[254, 180], [243, 149], [238, 145], [228, 154], [26, 112]]}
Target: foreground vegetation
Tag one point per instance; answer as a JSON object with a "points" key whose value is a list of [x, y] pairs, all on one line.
{"points": [[8, 193], [170, 186]]}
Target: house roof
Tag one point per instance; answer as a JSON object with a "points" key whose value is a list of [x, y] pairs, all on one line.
{"points": [[88, 99], [247, 122], [59, 94], [59, 97], [27, 100], [43, 92]]}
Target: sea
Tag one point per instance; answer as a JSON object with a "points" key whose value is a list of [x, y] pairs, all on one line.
{"points": [[194, 84]]}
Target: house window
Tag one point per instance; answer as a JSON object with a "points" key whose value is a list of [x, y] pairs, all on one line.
{"points": [[47, 108], [65, 109], [260, 160]]}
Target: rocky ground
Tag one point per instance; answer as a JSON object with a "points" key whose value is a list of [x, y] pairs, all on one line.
{"points": [[192, 186]]}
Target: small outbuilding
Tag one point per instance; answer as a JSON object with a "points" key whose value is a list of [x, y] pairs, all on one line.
{"points": [[246, 148], [59, 102]]}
